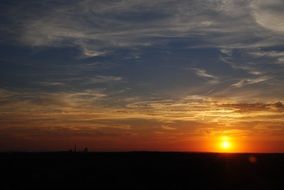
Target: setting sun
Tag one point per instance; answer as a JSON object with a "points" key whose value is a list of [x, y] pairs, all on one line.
{"points": [[225, 144]]}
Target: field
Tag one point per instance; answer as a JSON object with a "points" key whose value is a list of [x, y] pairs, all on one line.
{"points": [[141, 170]]}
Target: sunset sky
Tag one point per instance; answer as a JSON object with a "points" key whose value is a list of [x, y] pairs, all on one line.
{"points": [[123, 75]]}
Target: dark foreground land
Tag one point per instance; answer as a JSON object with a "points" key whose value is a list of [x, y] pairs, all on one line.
{"points": [[141, 170]]}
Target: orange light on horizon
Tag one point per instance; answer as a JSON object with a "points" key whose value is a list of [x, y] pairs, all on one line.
{"points": [[225, 144]]}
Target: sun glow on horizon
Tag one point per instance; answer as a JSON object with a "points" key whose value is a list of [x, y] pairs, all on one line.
{"points": [[225, 144]]}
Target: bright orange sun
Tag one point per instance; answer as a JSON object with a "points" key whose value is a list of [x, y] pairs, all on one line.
{"points": [[225, 144]]}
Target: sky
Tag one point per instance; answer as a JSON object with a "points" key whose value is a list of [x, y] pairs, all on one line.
{"points": [[123, 75]]}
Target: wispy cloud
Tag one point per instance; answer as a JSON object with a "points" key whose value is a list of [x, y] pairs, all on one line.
{"points": [[204, 74], [104, 79], [87, 53], [245, 82], [275, 57], [269, 14], [86, 115], [104, 23], [51, 83], [165, 127], [250, 107], [272, 54]]}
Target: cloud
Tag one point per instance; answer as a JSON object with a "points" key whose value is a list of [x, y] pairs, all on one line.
{"points": [[274, 56], [165, 127], [245, 82], [254, 107], [269, 14], [5, 94], [101, 25], [60, 84], [104, 79], [85, 82], [204, 74], [87, 53], [94, 114], [228, 58], [30, 101]]}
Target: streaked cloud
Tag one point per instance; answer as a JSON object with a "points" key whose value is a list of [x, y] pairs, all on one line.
{"points": [[245, 82], [99, 25], [246, 107], [269, 14], [104, 79], [203, 74], [90, 53]]}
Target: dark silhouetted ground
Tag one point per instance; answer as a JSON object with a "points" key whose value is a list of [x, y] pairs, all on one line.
{"points": [[141, 170]]}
